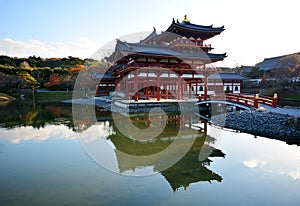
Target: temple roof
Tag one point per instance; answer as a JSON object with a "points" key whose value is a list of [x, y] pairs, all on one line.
{"points": [[125, 49], [201, 28], [151, 36], [274, 62], [158, 45], [188, 30]]}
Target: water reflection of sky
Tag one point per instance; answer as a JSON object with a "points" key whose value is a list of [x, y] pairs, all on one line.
{"points": [[258, 170], [27, 133], [262, 155], [48, 166], [258, 155]]}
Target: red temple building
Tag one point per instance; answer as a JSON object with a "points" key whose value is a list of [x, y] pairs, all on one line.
{"points": [[175, 64]]}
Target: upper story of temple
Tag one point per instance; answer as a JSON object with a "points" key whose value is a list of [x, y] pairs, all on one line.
{"points": [[181, 46]]}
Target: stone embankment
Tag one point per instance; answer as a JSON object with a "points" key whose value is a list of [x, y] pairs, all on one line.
{"points": [[260, 123]]}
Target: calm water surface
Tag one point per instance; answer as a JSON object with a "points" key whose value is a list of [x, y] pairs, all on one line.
{"points": [[42, 162]]}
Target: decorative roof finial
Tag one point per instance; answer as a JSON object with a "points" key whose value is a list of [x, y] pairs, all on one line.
{"points": [[186, 19]]}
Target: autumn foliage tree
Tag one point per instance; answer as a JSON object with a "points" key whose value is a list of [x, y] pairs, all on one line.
{"points": [[27, 81], [52, 73], [54, 80]]}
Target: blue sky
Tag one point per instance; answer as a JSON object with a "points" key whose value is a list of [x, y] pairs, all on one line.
{"points": [[254, 29]]}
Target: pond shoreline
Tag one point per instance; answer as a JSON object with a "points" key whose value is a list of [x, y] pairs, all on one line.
{"points": [[276, 123], [260, 123]]}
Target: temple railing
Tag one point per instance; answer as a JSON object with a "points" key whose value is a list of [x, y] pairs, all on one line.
{"points": [[248, 100]]}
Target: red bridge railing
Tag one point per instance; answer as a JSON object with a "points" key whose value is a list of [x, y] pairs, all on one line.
{"points": [[248, 100]]}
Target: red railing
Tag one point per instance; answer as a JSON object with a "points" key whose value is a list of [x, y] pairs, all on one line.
{"points": [[248, 100]]}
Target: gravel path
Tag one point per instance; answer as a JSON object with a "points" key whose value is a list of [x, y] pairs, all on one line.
{"points": [[291, 111], [262, 123]]}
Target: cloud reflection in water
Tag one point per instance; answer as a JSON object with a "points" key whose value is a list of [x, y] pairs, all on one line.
{"points": [[29, 133]]}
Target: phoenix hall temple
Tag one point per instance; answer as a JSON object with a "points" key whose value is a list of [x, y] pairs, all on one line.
{"points": [[175, 64]]}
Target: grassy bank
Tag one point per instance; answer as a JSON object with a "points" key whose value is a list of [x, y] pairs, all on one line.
{"points": [[50, 96], [285, 96], [290, 100], [57, 96]]}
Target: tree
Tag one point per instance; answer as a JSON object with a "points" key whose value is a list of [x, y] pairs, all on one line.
{"points": [[291, 64], [27, 81], [42, 75], [54, 81], [288, 70], [5, 60], [8, 83], [255, 73]]}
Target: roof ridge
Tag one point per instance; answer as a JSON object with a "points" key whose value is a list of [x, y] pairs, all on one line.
{"points": [[199, 26], [152, 35], [270, 58], [182, 23]]}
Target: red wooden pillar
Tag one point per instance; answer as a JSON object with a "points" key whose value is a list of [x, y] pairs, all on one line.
{"points": [[199, 97], [135, 86], [274, 102], [147, 91], [179, 87], [167, 92], [256, 100], [147, 85], [136, 98], [205, 87], [158, 93], [127, 87], [158, 87], [238, 97]]}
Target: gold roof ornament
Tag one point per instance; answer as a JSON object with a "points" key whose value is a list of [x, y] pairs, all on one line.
{"points": [[186, 19]]}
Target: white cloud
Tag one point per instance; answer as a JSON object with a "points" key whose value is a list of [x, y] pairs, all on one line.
{"points": [[294, 175], [254, 163], [82, 47]]}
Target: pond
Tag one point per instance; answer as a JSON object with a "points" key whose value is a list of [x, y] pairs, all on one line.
{"points": [[47, 158]]}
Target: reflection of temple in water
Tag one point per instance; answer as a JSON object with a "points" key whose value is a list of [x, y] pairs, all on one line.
{"points": [[187, 170], [190, 170]]}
